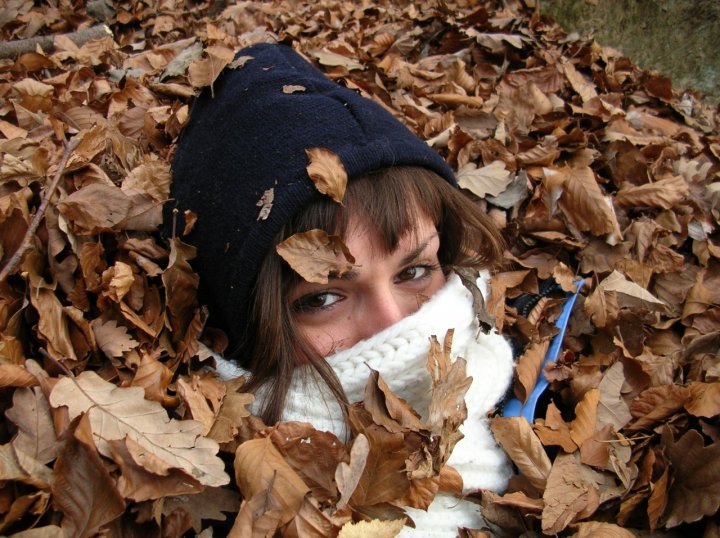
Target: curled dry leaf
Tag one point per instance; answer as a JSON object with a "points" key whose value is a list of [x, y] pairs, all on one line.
{"points": [[327, 172], [528, 368], [315, 255], [116, 413]]}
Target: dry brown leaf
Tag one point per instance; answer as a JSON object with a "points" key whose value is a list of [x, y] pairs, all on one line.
{"points": [[554, 430], [374, 528], [315, 255], [12, 375], [569, 494], [664, 193], [583, 426], [347, 475], [82, 486], [528, 368], [111, 338], [327, 173], [211, 503], [599, 529], [523, 447], [116, 413], [384, 478], [299, 443], [204, 72], [387, 410], [585, 205], [612, 408], [696, 477], [704, 399], [267, 481], [491, 180], [36, 432], [137, 480]]}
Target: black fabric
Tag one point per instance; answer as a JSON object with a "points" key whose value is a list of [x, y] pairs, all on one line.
{"points": [[251, 137]]}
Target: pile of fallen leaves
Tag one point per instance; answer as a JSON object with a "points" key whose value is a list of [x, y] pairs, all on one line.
{"points": [[594, 169]]}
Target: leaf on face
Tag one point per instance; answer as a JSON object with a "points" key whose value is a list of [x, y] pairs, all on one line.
{"points": [[696, 471], [82, 487], [315, 255], [347, 475], [267, 481], [524, 448], [327, 172], [116, 413]]}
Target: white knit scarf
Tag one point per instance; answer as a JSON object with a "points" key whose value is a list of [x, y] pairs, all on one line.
{"points": [[399, 353]]}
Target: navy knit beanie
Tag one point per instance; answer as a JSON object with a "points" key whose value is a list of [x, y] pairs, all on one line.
{"points": [[251, 137]]}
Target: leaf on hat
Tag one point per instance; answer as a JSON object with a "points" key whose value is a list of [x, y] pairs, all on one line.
{"points": [[314, 255], [292, 88], [327, 172]]}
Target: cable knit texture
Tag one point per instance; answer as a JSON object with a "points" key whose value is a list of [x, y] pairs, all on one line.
{"points": [[399, 353]]}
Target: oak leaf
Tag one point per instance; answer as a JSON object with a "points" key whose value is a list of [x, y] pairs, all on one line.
{"points": [[111, 338], [315, 255], [327, 172], [696, 477], [116, 413]]}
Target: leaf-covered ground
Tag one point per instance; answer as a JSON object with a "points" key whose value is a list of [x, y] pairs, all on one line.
{"points": [[594, 169]]}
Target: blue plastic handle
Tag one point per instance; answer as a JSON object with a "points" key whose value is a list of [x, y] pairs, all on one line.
{"points": [[514, 407]]}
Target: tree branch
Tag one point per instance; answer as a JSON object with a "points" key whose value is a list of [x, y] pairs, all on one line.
{"points": [[13, 49], [12, 264]]}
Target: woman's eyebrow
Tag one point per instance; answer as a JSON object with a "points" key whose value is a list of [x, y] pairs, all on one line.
{"points": [[417, 251]]}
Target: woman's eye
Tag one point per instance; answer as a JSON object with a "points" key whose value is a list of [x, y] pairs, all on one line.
{"points": [[415, 272], [316, 302]]}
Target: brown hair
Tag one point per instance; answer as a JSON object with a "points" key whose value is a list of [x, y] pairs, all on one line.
{"points": [[392, 198]]}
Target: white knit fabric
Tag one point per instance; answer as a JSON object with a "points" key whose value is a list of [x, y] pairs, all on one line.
{"points": [[399, 353]]}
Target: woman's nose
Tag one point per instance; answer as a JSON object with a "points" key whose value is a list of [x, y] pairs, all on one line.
{"points": [[384, 310]]}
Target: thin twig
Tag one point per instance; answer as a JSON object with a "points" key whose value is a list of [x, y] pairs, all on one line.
{"points": [[12, 264], [13, 49]]}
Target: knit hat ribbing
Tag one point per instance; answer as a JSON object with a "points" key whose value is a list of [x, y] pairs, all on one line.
{"points": [[251, 137]]}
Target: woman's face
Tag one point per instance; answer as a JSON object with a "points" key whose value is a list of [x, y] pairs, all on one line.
{"points": [[381, 290]]}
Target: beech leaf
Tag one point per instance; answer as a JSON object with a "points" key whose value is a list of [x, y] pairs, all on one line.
{"points": [[526, 451], [327, 172], [315, 255], [267, 481], [116, 413]]}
